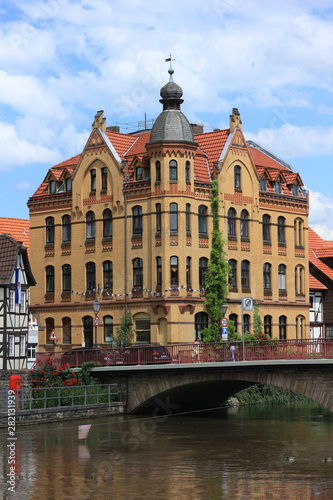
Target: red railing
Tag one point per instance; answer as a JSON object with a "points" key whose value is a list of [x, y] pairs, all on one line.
{"points": [[192, 353]]}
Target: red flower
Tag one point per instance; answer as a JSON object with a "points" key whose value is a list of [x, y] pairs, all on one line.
{"points": [[48, 358], [66, 365], [42, 379], [32, 371], [42, 372], [56, 373], [73, 380]]}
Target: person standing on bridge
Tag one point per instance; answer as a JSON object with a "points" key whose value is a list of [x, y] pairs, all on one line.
{"points": [[196, 349], [232, 352]]}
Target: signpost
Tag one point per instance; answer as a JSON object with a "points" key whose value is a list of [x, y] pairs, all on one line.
{"points": [[247, 305]]}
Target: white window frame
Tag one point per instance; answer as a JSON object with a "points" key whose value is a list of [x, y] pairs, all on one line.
{"points": [[22, 345], [11, 345], [12, 306], [23, 304]]}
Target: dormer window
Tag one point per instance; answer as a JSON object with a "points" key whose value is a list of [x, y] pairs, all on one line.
{"points": [[263, 185], [138, 174], [277, 186], [53, 187], [295, 191], [68, 184]]}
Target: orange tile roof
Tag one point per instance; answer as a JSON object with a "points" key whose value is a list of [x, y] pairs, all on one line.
{"points": [[121, 142], [212, 143], [314, 284], [260, 159], [18, 229]]}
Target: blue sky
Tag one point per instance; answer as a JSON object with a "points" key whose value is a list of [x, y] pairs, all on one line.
{"points": [[62, 60]]}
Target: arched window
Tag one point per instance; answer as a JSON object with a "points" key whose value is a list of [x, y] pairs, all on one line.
{"points": [[90, 225], [66, 228], [137, 274], [237, 177], [49, 271], [282, 327], [188, 219], [158, 171], [200, 323], [244, 224], [142, 328], [187, 172], [66, 330], [203, 268], [108, 276], [159, 272], [88, 331], [266, 228], [234, 318], [268, 325], [107, 223], [202, 219], [281, 230], [90, 275], [49, 327], [246, 323], [299, 280], [188, 272], [300, 327], [173, 218], [108, 329], [267, 276], [49, 229], [104, 178], [174, 272], [282, 277], [232, 222], [173, 175], [299, 232], [245, 274], [66, 278], [93, 179], [158, 218], [233, 273], [137, 220]]}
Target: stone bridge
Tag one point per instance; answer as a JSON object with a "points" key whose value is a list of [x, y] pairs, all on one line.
{"points": [[171, 388]]}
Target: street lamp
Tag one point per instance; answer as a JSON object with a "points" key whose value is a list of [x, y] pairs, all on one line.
{"points": [[96, 308], [224, 308]]}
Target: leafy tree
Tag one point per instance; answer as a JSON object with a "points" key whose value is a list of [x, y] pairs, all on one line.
{"points": [[217, 274], [257, 324], [124, 331]]}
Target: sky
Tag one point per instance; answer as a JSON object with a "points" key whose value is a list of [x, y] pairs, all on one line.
{"points": [[63, 60]]}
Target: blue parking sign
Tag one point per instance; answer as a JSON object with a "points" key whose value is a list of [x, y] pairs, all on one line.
{"points": [[224, 333]]}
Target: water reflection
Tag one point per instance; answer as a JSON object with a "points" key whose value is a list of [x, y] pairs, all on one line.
{"points": [[230, 454]]}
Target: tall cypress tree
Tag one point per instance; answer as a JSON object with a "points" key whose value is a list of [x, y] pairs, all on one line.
{"points": [[217, 274]]}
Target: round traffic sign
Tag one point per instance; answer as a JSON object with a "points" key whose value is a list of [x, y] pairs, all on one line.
{"points": [[224, 322], [96, 321]]}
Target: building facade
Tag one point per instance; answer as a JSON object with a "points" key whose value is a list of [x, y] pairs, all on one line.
{"points": [[15, 282], [128, 221]]}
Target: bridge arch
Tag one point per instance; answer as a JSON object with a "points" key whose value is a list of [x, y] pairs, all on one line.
{"points": [[187, 390]]}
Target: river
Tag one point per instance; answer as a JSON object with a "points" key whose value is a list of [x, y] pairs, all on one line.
{"points": [[234, 453]]}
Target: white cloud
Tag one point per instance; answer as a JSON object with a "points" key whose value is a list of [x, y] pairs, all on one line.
{"points": [[17, 151], [292, 141], [321, 215]]}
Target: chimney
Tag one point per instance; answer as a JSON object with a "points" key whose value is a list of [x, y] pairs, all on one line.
{"points": [[197, 129], [235, 120], [113, 128]]}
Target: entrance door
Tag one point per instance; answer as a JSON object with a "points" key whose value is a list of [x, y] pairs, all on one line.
{"points": [[88, 331]]}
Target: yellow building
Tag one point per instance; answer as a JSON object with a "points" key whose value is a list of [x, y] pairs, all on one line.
{"points": [[128, 221]]}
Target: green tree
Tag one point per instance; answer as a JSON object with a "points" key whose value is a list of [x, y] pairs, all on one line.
{"points": [[257, 324], [217, 274], [124, 331]]}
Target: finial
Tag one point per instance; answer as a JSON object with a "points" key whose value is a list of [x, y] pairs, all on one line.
{"points": [[170, 70]]}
